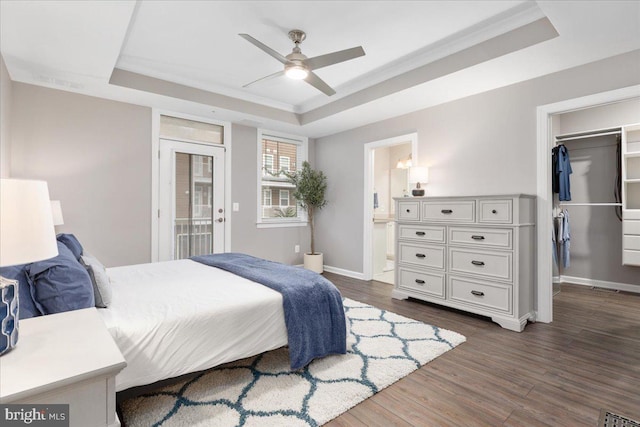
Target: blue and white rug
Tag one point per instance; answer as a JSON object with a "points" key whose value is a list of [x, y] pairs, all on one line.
{"points": [[261, 391]]}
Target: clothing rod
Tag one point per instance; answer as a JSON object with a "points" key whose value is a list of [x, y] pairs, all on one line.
{"points": [[590, 204], [591, 134]]}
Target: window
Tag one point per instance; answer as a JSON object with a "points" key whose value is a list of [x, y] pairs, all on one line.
{"points": [[284, 198], [279, 154], [285, 164], [266, 197]]}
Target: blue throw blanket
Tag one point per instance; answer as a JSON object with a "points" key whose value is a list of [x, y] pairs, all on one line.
{"points": [[313, 310]]}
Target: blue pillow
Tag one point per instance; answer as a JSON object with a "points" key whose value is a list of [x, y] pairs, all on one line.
{"points": [[27, 307], [72, 243], [60, 284]]}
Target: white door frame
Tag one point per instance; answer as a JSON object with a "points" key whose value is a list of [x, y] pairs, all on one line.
{"points": [[367, 250], [155, 174], [544, 295]]}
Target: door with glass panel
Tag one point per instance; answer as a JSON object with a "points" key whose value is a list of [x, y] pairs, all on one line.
{"points": [[191, 200]]}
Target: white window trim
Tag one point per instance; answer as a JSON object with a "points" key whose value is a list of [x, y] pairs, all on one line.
{"points": [[303, 155]]}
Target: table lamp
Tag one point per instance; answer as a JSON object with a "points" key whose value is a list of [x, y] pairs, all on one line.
{"points": [[419, 175], [26, 235], [56, 210]]}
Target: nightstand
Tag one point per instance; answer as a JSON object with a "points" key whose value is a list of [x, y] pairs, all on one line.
{"points": [[65, 358]]}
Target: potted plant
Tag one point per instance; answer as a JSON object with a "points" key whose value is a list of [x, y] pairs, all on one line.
{"points": [[310, 186]]}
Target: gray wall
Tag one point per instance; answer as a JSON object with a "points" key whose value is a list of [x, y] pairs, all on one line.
{"points": [[276, 244], [96, 156], [483, 144], [596, 232], [5, 120]]}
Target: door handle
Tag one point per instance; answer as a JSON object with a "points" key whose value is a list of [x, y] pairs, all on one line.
{"points": [[220, 220]]}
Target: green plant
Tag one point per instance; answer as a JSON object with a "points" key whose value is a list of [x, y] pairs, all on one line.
{"points": [[288, 212], [310, 186]]}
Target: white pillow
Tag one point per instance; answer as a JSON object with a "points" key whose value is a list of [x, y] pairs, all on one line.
{"points": [[100, 280]]}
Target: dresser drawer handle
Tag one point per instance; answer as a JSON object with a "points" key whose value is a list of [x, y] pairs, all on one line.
{"points": [[477, 293], [420, 281], [420, 233], [493, 211], [408, 210], [477, 262], [477, 237], [447, 211], [421, 255]]}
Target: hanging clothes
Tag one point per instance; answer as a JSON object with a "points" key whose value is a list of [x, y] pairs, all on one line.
{"points": [[564, 237], [560, 181], [375, 201]]}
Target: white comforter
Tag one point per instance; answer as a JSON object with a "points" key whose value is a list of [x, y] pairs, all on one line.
{"points": [[176, 317]]}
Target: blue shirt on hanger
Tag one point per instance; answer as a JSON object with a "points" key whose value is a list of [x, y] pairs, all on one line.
{"points": [[562, 168]]}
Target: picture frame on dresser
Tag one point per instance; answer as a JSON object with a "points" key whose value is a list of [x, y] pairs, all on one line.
{"points": [[471, 253]]}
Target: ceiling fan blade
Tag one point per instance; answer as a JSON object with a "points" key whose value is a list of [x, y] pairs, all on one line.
{"points": [[319, 84], [269, 77], [264, 47], [334, 58]]}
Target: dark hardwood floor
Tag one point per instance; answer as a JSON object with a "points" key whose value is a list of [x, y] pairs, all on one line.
{"points": [[557, 374]]}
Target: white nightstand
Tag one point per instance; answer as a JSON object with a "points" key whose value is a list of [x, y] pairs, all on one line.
{"points": [[65, 358]]}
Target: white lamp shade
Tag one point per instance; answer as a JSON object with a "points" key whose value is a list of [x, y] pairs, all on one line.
{"points": [[26, 222], [56, 210], [419, 174]]}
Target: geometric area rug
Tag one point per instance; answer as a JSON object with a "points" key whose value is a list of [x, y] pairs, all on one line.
{"points": [[263, 391]]}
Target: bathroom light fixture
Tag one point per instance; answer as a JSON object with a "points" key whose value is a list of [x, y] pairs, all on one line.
{"points": [[404, 163]]}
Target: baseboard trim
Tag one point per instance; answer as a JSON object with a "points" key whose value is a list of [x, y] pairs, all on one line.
{"points": [[343, 272], [627, 287]]}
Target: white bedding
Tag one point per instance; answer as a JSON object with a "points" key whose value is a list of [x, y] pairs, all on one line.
{"points": [[175, 317]]}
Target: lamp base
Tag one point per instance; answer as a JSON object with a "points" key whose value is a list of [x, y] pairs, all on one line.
{"points": [[8, 314], [418, 192]]}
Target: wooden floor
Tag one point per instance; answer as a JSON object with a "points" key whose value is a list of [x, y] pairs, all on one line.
{"points": [[557, 374]]}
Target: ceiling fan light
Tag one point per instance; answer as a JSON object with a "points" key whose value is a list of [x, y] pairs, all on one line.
{"points": [[296, 72]]}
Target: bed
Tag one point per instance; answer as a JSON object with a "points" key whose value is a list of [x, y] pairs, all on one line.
{"points": [[177, 317]]}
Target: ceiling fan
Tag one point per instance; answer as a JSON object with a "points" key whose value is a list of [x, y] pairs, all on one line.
{"points": [[298, 66]]}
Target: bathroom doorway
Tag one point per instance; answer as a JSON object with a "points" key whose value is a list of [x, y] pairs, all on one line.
{"points": [[386, 177]]}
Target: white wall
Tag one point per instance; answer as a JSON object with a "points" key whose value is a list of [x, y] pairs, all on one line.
{"points": [[96, 156], [483, 144], [5, 120]]}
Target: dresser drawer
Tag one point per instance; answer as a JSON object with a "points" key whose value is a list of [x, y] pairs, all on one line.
{"points": [[631, 242], [422, 255], [460, 211], [496, 211], [484, 237], [408, 211], [428, 283], [630, 257], [421, 232], [495, 265], [492, 296], [631, 227]]}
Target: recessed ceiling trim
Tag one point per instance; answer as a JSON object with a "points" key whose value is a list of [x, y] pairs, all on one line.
{"points": [[163, 87], [528, 35]]}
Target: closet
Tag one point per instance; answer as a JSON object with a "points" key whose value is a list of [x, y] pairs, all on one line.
{"points": [[602, 247]]}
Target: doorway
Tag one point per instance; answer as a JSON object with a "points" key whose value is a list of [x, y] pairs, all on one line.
{"points": [[386, 176], [191, 199]]}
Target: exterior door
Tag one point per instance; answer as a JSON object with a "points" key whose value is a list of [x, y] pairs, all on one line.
{"points": [[191, 200]]}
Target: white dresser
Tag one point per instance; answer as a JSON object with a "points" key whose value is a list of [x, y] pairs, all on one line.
{"points": [[66, 358], [471, 253]]}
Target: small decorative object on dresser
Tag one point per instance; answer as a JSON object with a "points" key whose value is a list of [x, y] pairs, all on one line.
{"points": [[418, 175], [471, 253], [26, 235]]}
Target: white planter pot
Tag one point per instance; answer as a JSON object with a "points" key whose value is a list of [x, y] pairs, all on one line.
{"points": [[314, 262]]}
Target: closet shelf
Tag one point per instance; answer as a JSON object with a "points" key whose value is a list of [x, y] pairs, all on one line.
{"points": [[591, 204]]}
